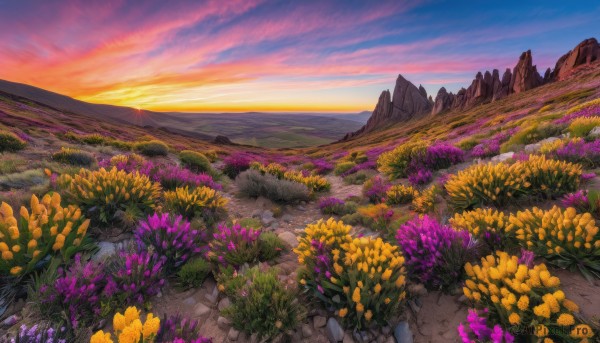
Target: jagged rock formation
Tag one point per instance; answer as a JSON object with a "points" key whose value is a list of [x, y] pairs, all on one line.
{"points": [[585, 53], [410, 102]]}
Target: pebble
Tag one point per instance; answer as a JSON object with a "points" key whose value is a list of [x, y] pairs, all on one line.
{"points": [[334, 331], [224, 303], [223, 323], [189, 301], [287, 218], [106, 249], [233, 334], [289, 238], [417, 289], [201, 310], [306, 331], [319, 321], [402, 333], [213, 296]]}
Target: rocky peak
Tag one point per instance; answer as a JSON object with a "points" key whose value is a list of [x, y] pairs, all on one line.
{"points": [[525, 75], [443, 101], [423, 91], [585, 53]]}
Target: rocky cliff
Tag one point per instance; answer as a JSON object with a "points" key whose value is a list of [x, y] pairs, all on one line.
{"points": [[408, 101]]}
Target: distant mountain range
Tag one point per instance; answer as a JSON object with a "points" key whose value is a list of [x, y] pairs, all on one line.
{"points": [[276, 130], [408, 102]]}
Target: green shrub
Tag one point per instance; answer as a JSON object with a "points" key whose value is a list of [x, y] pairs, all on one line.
{"points": [[74, 157], [251, 223], [359, 177], [22, 180], [264, 306], [253, 184], [195, 161], [343, 167], [152, 148], [270, 246], [394, 163], [122, 145], [229, 280], [467, 143], [193, 273], [356, 157], [531, 134], [10, 142], [12, 163], [93, 139]]}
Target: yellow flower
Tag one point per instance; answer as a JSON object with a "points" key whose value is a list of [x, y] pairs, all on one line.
{"points": [[368, 315], [570, 305], [101, 337], [565, 319], [356, 295], [387, 300], [360, 307], [7, 255], [130, 335], [542, 310], [548, 340], [131, 314], [386, 275], [343, 312], [151, 326], [377, 288], [119, 322], [541, 330], [15, 270], [523, 303], [582, 331]]}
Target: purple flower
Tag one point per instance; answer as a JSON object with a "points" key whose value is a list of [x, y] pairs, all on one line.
{"points": [[420, 177], [586, 112], [578, 200], [580, 151], [235, 245], [331, 205], [139, 276], [375, 189]]}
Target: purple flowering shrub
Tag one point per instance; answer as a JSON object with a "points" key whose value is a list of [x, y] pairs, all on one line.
{"points": [[38, 334], [580, 151], [235, 245], [236, 163], [78, 293], [435, 254], [322, 166], [586, 110], [172, 237], [138, 277], [441, 156], [477, 330], [179, 329], [584, 201], [331, 205], [420, 177], [375, 188], [491, 147], [368, 165]]}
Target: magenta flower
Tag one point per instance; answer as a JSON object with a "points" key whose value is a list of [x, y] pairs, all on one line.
{"points": [[235, 245]]}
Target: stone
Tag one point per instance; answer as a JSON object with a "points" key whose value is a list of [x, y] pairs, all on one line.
{"points": [[106, 249], [287, 218], [223, 323], [525, 75], [443, 101], [289, 238], [585, 53], [595, 132], [223, 140], [402, 333], [391, 339], [301, 208], [201, 310], [189, 301], [348, 338], [319, 321], [417, 289], [213, 296], [306, 331], [503, 157], [224, 303], [386, 330], [334, 331], [267, 218], [233, 334], [413, 306], [10, 320], [532, 148], [360, 336], [256, 213]]}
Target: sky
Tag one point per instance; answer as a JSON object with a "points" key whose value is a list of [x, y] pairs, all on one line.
{"points": [[278, 56]]}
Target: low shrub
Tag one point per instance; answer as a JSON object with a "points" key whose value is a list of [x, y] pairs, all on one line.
{"points": [[487, 226], [375, 189], [270, 246], [38, 333], [434, 254], [236, 163], [74, 157], [171, 237], [195, 161], [531, 134], [46, 229], [93, 139], [468, 143], [343, 167], [202, 202], [516, 294], [425, 201], [264, 306], [178, 329], [400, 194], [193, 273], [396, 163], [420, 177], [23, 180], [254, 184], [585, 110], [359, 177], [363, 279], [578, 151], [235, 245], [152, 148], [252, 223], [11, 142], [112, 196], [582, 126], [331, 205], [479, 329], [563, 237], [128, 327], [379, 217], [137, 277]]}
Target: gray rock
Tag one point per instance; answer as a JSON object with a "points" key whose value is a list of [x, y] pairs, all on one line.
{"points": [[287, 218], [256, 213], [301, 208], [413, 306], [503, 157], [213, 296], [223, 323], [595, 132], [348, 338], [224, 303], [402, 333], [106, 249], [361, 337], [391, 339], [190, 301], [319, 321], [306, 331], [201, 310], [289, 239], [532, 148], [549, 140], [334, 331], [233, 334], [386, 330], [10, 321], [417, 289], [267, 218]]}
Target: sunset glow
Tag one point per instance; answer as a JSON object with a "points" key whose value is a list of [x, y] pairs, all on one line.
{"points": [[236, 56]]}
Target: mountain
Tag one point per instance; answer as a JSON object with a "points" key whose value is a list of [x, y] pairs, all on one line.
{"points": [[409, 102], [277, 130]]}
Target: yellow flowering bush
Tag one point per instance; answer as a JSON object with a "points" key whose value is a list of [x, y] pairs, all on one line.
{"points": [[128, 328], [516, 294], [200, 201], [581, 127], [424, 202], [488, 226], [314, 183], [47, 228], [400, 194], [563, 237], [497, 184], [395, 163], [362, 278], [104, 194]]}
